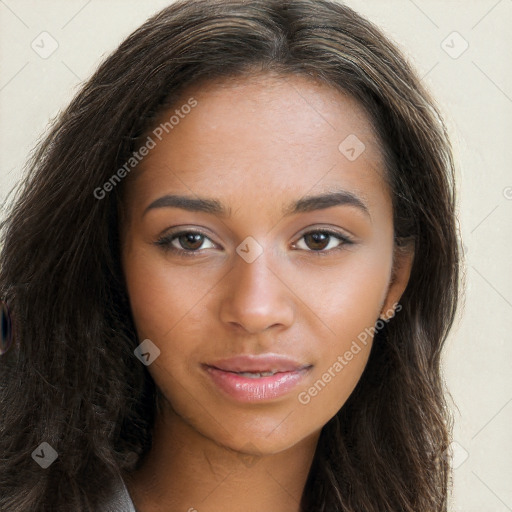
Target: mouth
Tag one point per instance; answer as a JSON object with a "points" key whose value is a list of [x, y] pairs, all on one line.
{"points": [[256, 378], [263, 363], [255, 375]]}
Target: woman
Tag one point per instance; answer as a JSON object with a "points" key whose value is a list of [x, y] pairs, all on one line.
{"points": [[168, 347]]}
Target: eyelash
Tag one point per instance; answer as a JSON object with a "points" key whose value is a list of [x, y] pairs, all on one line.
{"points": [[165, 242]]}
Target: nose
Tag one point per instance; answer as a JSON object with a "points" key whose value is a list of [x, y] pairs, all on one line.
{"points": [[257, 297]]}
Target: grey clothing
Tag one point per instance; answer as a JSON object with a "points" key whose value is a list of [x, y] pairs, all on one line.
{"points": [[119, 500]]}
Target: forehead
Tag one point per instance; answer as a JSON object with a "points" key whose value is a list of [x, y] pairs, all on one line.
{"points": [[262, 135]]}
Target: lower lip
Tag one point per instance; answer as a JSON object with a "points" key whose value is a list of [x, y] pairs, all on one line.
{"points": [[247, 389]]}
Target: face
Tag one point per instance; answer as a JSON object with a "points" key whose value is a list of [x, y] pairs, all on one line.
{"points": [[276, 258]]}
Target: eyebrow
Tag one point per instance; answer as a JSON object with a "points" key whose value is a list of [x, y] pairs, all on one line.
{"points": [[302, 205]]}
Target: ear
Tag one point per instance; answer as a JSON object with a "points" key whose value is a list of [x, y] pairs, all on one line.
{"points": [[403, 258]]}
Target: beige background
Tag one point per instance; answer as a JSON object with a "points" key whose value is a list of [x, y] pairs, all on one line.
{"points": [[474, 91]]}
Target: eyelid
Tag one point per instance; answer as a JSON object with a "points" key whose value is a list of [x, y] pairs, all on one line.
{"points": [[164, 241], [335, 231]]}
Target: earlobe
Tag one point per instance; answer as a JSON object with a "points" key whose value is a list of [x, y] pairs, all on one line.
{"points": [[403, 259]]}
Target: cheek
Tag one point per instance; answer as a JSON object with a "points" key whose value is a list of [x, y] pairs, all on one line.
{"points": [[348, 305], [161, 295], [168, 307], [348, 297], [333, 383]]}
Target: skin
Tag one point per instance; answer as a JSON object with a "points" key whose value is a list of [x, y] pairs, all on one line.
{"points": [[255, 145]]}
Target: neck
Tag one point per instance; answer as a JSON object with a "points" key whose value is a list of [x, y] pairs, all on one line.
{"points": [[186, 471]]}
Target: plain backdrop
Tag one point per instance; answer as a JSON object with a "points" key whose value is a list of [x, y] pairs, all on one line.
{"points": [[462, 51]]}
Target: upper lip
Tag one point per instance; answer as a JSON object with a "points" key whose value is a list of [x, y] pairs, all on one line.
{"points": [[258, 363]]}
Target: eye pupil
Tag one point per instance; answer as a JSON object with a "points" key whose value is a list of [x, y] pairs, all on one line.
{"points": [[193, 238], [317, 238]]}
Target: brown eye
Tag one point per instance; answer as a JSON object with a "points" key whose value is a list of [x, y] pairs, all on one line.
{"points": [[319, 241], [190, 241], [184, 243]]}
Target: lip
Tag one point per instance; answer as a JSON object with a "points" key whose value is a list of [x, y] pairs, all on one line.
{"points": [[288, 374], [259, 363]]}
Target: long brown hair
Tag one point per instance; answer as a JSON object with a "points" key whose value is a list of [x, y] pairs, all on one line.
{"points": [[71, 378]]}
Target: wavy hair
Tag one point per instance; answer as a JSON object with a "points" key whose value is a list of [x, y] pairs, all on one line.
{"points": [[71, 378]]}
